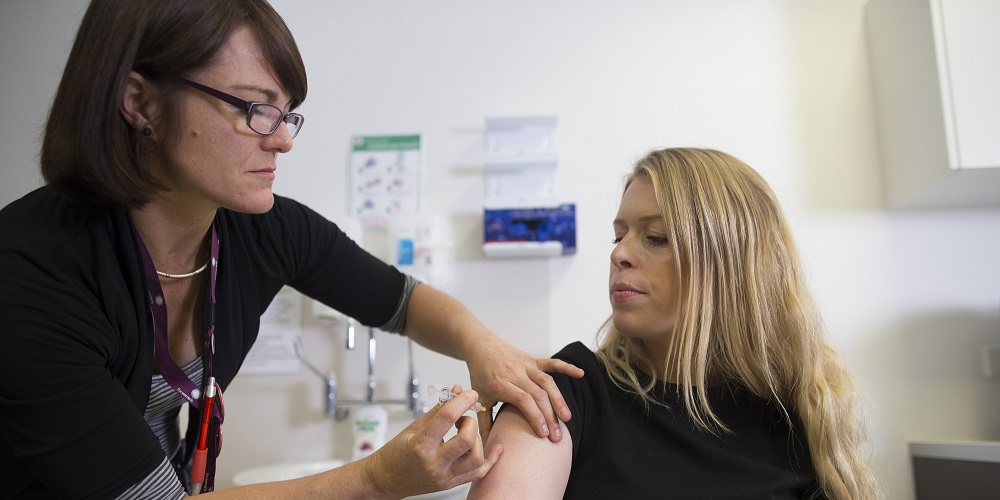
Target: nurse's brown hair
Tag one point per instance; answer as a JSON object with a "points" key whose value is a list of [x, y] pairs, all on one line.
{"points": [[89, 152]]}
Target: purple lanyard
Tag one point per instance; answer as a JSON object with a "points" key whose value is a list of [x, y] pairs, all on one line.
{"points": [[173, 374]]}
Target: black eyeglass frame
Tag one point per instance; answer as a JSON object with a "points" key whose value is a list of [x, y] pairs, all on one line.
{"points": [[248, 107]]}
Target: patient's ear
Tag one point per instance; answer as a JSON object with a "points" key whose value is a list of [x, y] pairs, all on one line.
{"points": [[139, 101]]}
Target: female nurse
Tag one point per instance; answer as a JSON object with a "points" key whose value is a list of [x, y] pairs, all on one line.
{"points": [[134, 280]]}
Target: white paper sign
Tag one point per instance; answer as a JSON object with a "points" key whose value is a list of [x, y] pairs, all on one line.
{"points": [[280, 329]]}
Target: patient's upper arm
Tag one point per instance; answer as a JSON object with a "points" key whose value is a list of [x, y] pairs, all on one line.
{"points": [[530, 466]]}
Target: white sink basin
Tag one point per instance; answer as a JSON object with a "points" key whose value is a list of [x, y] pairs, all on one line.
{"points": [[280, 472], [293, 470]]}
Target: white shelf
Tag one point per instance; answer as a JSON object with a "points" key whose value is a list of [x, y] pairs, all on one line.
{"points": [[495, 161], [527, 139]]}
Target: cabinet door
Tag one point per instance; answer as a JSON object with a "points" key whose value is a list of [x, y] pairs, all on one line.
{"points": [[970, 35], [936, 76]]}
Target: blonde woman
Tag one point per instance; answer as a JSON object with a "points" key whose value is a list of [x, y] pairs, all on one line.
{"points": [[712, 378]]}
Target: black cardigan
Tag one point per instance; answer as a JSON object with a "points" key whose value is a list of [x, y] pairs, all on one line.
{"points": [[76, 350]]}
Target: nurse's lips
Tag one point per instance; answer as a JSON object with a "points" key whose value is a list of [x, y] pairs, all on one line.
{"points": [[622, 291]]}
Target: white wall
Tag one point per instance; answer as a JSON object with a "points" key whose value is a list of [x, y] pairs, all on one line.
{"points": [[910, 297]]}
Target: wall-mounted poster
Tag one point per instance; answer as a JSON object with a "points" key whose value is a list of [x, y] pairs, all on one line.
{"points": [[385, 177], [280, 328]]}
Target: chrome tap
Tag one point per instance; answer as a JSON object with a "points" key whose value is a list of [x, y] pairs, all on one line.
{"points": [[339, 408], [350, 334]]}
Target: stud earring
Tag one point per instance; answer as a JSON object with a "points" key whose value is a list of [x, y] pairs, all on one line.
{"points": [[146, 131]]}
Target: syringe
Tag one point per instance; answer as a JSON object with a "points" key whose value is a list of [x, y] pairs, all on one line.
{"points": [[444, 395]]}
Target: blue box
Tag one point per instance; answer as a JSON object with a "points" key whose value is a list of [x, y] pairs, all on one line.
{"points": [[530, 232]]}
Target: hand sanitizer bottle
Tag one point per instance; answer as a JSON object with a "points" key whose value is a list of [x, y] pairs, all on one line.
{"points": [[370, 424]]}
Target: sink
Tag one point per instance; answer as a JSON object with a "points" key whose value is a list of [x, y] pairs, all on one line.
{"points": [[280, 472], [293, 470]]}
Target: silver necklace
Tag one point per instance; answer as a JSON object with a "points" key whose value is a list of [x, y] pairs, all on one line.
{"points": [[185, 275]]}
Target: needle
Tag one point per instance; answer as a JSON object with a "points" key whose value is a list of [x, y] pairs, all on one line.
{"points": [[444, 395]]}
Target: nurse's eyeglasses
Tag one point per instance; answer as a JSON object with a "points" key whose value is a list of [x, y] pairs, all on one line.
{"points": [[262, 117]]}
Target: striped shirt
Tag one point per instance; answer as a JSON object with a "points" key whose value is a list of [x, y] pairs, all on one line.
{"points": [[161, 414], [165, 405]]}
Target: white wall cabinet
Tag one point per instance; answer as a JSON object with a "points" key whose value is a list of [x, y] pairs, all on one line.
{"points": [[936, 74]]}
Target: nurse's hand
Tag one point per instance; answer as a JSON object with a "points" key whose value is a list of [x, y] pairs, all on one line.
{"points": [[419, 460], [502, 373]]}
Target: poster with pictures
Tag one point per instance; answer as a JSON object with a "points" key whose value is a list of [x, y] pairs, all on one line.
{"points": [[385, 177]]}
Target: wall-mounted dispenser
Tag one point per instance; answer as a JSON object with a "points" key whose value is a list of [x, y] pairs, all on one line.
{"points": [[532, 231], [522, 216], [422, 247]]}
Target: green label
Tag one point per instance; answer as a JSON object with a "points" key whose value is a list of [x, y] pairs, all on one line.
{"points": [[367, 425], [385, 143]]}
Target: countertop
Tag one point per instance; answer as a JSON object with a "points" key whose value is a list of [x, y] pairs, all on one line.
{"points": [[979, 451]]}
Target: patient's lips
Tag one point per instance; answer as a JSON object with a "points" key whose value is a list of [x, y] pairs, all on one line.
{"points": [[622, 291]]}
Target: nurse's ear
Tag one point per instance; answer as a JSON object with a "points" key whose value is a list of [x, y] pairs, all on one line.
{"points": [[139, 102]]}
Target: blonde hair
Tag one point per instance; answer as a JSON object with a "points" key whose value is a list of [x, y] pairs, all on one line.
{"points": [[745, 315]]}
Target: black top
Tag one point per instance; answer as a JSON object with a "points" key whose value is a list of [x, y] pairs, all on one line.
{"points": [[76, 346], [622, 451]]}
